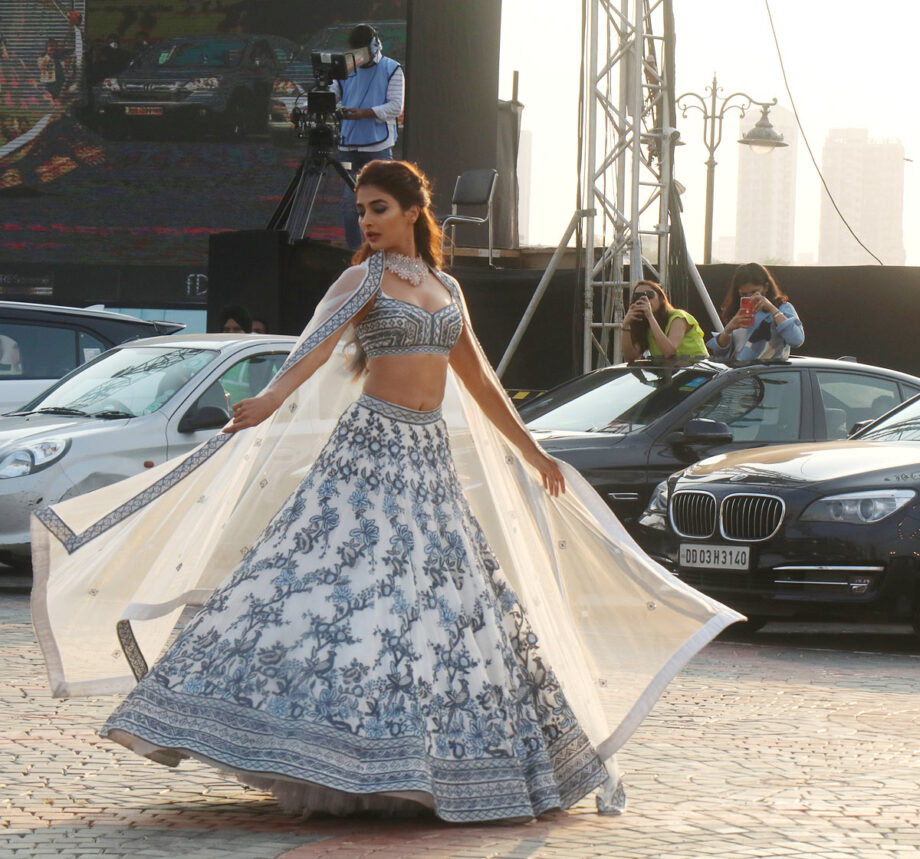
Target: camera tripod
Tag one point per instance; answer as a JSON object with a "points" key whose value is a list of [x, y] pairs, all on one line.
{"points": [[296, 207]]}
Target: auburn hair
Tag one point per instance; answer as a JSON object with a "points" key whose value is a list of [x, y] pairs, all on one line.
{"points": [[756, 274], [406, 183], [661, 314]]}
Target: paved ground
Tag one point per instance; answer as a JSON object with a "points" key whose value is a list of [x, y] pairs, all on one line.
{"points": [[787, 744]]}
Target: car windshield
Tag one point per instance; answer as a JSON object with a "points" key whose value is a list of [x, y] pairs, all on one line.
{"points": [[903, 425], [125, 382], [198, 54], [617, 401]]}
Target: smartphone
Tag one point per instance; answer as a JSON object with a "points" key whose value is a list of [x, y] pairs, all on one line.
{"points": [[747, 306]]}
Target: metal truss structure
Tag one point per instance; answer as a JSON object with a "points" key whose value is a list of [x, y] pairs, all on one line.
{"points": [[626, 142], [627, 138]]}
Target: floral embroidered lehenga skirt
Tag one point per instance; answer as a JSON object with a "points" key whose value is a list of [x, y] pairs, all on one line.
{"points": [[367, 653]]}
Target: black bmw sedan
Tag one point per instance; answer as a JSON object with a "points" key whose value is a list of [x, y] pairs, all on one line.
{"points": [[628, 427], [819, 531]]}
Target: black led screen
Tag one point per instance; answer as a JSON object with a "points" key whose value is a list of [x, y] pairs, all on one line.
{"points": [[131, 130]]}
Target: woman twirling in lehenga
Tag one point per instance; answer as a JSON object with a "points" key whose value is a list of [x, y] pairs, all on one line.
{"points": [[370, 651]]}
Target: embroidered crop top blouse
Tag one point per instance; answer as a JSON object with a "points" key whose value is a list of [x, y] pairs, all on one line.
{"points": [[395, 327]]}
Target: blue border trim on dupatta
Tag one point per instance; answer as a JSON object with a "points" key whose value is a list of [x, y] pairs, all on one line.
{"points": [[73, 541], [359, 298]]}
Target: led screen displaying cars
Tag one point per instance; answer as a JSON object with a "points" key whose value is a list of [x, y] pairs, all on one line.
{"points": [[130, 131]]}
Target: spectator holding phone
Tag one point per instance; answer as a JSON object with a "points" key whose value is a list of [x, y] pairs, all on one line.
{"points": [[760, 323], [652, 323]]}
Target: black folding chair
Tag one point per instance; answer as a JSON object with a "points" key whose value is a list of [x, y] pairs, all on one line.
{"points": [[473, 188]]}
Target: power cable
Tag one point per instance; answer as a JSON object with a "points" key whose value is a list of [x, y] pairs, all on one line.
{"points": [[811, 155], [577, 295]]}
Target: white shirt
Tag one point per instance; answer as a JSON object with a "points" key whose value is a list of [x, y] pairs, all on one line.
{"points": [[386, 113]]}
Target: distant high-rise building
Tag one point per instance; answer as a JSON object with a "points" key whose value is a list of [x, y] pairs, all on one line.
{"points": [[765, 213], [724, 249], [866, 178]]}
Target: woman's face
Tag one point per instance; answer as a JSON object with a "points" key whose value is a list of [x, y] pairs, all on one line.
{"points": [[384, 223], [643, 291], [751, 289]]}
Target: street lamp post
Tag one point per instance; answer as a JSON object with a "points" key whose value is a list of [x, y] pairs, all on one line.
{"points": [[763, 137]]}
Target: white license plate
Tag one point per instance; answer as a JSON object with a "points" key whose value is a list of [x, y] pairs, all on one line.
{"points": [[714, 557]]}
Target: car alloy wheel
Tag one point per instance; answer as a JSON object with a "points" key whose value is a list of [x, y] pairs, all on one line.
{"points": [[236, 118]]}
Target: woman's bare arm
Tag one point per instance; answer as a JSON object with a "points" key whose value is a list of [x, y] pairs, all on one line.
{"points": [[670, 342], [466, 362], [631, 342], [254, 410]]}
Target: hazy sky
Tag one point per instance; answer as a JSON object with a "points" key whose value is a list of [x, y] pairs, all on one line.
{"points": [[850, 64]]}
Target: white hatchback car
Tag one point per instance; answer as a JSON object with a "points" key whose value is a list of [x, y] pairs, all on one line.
{"points": [[131, 408]]}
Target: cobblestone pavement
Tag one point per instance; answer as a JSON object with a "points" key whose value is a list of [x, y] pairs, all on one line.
{"points": [[756, 750]]}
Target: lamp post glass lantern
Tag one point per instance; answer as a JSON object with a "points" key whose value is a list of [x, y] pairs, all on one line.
{"points": [[762, 138]]}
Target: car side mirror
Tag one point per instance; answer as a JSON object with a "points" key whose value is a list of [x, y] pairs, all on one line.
{"points": [[706, 431], [203, 418], [860, 425]]}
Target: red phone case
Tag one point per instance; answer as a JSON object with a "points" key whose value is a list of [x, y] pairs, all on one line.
{"points": [[747, 305]]}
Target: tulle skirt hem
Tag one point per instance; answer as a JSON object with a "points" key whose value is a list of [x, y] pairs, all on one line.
{"points": [[308, 799]]}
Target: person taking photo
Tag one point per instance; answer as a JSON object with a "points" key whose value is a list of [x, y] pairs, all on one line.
{"points": [[760, 323], [653, 324]]}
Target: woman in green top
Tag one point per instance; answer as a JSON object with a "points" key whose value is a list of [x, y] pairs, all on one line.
{"points": [[653, 323]]}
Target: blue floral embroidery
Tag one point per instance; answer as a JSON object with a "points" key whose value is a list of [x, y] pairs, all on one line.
{"points": [[368, 642]]}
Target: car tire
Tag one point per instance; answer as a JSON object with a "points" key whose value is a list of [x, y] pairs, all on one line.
{"points": [[237, 118], [112, 129], [18, 563], [283, 139], [751, 625]]}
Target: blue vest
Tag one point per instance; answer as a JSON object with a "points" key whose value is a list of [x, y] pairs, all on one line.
{"points": [[367, 88]]}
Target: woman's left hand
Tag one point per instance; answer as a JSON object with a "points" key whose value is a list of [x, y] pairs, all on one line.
{"points": [[645, 307], [553, 479], [765, 304], [251, 412]]}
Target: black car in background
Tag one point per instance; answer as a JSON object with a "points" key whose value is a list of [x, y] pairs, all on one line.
{"points": [[628, 427], [819, 531], [40, 343], [220, 83]]}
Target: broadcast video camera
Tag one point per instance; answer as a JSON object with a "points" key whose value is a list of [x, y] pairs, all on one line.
{"points": [[318, 123]]}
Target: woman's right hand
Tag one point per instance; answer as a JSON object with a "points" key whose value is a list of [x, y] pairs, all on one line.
{"points": [[742, 319], [550, 472], [634, 314], [251, 412]]}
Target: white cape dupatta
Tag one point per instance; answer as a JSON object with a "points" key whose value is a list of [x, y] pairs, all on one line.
{"points": [[113, 569]]}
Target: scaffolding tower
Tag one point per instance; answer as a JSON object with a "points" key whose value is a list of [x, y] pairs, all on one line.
{"points": [[627, 220], [626, 142], [625, 201]]}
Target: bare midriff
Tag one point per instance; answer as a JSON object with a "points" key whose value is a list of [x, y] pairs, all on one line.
{"points": [[412, 381]]}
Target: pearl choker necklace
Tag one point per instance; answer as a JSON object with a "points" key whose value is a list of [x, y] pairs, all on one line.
{"points": [[412, 269]]}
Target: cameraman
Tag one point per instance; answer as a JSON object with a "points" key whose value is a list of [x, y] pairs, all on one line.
{"points": [[372, 101]]}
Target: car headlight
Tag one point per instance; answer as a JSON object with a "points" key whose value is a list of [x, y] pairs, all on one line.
{"points": [[111, 84], [203, 83], [656, 511], [285, 87], [658, 503], [858, 508], [33, 457]]}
